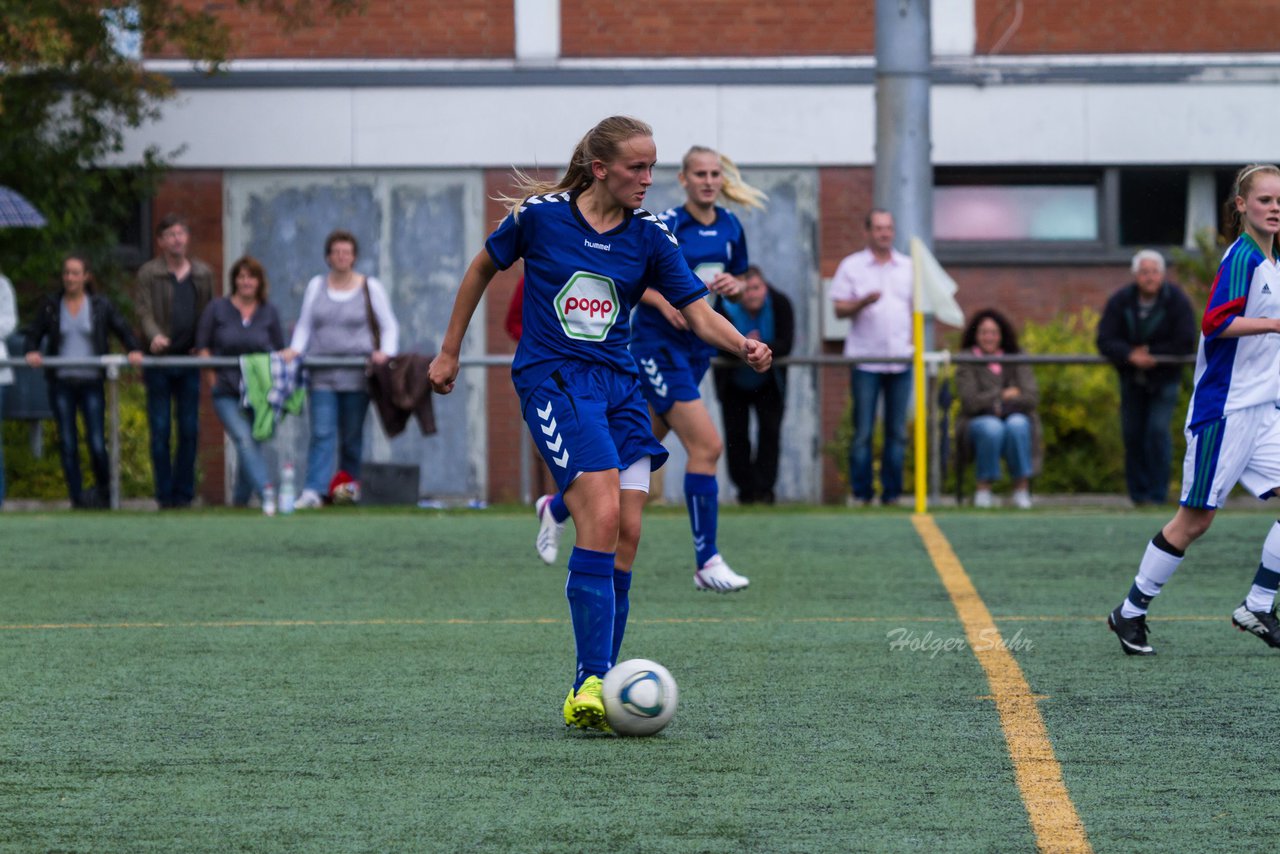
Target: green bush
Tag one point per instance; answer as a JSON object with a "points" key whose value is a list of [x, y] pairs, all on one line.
{"points": [[1079, 413], [40, 478]]}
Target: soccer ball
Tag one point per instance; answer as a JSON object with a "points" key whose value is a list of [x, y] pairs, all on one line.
{"points": [[639, 697]]}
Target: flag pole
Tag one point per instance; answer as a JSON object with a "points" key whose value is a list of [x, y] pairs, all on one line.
{"points": [[918, 378]]}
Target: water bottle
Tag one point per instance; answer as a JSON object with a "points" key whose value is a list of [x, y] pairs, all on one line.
{"points": [[288, 489]]}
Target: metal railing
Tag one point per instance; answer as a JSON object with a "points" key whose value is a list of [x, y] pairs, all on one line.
{"points": [[934, 361]]}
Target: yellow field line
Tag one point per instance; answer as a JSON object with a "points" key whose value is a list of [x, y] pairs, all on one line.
{"points": [[1053, 817]]}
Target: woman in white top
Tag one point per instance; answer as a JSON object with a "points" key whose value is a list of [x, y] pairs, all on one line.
{"points": [[344, 313]]}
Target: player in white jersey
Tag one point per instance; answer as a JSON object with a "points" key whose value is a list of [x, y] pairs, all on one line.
{"points": [[1233, 424], [589, 252]]}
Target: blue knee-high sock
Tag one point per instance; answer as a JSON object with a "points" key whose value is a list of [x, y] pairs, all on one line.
{"points": [[621, 607], [702, 497], [559, 511], [589, 590]]}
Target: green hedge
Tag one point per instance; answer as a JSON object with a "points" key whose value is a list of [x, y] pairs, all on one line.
{"points": [[32, 477], [1079, 412]]}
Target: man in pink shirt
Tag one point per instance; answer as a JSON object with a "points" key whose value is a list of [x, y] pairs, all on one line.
{"points": [[872, 288]]}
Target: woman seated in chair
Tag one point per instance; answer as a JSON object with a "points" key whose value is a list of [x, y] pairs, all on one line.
{"points": [[998, 402]]}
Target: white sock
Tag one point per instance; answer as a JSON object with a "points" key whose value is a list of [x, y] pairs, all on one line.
{"points": [[1157, 567]]}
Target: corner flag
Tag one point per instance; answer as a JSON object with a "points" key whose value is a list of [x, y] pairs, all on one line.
{"points": [[935, 290]]}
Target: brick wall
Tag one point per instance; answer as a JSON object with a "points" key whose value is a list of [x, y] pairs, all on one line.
{"points": [[387, 29], [485, 28], [1136, 26], [197, 195], [717, 28]]}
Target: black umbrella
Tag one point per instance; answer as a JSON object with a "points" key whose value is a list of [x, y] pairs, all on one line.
{"points": [[17, 212]]}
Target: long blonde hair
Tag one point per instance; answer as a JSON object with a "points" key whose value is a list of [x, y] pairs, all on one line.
{"points": [[734, 190], [602, 142], [1241, 187]]}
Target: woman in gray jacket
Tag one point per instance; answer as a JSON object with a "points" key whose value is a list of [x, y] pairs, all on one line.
{"points": [[999, 403]]}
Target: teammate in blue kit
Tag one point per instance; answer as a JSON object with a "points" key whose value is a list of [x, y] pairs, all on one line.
{"points": [[673, 361], [1233, 424], [589, 251]]}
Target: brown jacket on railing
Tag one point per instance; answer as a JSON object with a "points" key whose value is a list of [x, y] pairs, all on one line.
{"points": [[399, 388]]}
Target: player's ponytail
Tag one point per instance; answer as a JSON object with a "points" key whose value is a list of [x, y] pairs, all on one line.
{"points": [[1240, 188], [734, 190], [602, 142]]}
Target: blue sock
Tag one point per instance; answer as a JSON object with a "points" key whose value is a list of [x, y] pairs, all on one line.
{"points": [[702, 496], [558, 511], [621, 607], [589, 590]]}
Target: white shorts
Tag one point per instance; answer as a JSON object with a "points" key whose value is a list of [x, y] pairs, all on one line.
{"points": [[1242, 447]]}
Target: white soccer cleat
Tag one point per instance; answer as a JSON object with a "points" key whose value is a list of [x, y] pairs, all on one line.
{"points": [[716, 575], [549, 530]]}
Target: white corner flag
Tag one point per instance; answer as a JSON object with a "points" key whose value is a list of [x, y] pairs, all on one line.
{"points": [[935, 290]]}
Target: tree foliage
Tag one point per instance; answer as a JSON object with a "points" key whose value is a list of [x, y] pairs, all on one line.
{"points": [[71, 86]]}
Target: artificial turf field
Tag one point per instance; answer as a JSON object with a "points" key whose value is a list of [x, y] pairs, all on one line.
{"points": [[365, 681]]}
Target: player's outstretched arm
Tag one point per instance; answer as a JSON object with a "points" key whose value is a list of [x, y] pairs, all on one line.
{"points": [[444, 367], [717, 331]]}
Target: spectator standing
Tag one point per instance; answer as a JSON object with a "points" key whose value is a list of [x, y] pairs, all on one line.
{"points": [[172, 292], [236, 325], [1146, 318], [762, 314], [344, 313], [998, 405], [8, 321], [872, 289], [75, 323]]}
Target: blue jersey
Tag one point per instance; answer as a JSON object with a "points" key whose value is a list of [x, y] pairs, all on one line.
{"points": [[709, 249], [580, 285]]}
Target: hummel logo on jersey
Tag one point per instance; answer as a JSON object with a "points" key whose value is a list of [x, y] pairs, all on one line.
{"points": [[553, 439], [1266, 289], [603, 246], [705, 233], [655, 377]]}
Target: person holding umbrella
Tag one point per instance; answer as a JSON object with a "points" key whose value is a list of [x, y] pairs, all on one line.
{"points": [[15, 212]]}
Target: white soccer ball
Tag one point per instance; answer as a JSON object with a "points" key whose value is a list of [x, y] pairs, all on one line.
{"points": [[639, 697]]}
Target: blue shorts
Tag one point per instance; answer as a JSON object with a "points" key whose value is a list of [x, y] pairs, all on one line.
{"points": [[586, 417], [669, 375]]}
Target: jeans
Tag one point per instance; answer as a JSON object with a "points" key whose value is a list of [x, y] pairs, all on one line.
{"points": [[867, 388], [170, 392], [994, 438], [67, 397], [1145, 413], [337, 425], [251, 465]]}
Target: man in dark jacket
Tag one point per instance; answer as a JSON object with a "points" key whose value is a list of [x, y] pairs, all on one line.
{"points": [[765, 314], [1147, 318], [171, 293]]}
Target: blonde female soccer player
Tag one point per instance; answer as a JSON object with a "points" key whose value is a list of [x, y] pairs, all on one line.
{"points": [[589, 251], [1233, 425], [673, 360]]}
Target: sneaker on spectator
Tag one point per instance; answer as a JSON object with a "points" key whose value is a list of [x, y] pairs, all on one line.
{"points": [[983, 499], [1022, 499], [308, 500]]}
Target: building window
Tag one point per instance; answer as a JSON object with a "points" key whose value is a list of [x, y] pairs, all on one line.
{"points": [[1015, 213]]}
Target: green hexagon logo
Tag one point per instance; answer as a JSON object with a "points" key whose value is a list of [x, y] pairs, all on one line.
{"points": [[587, 306]]}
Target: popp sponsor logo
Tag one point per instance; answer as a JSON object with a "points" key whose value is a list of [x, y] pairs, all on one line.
{"points": [[587, 306]]}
